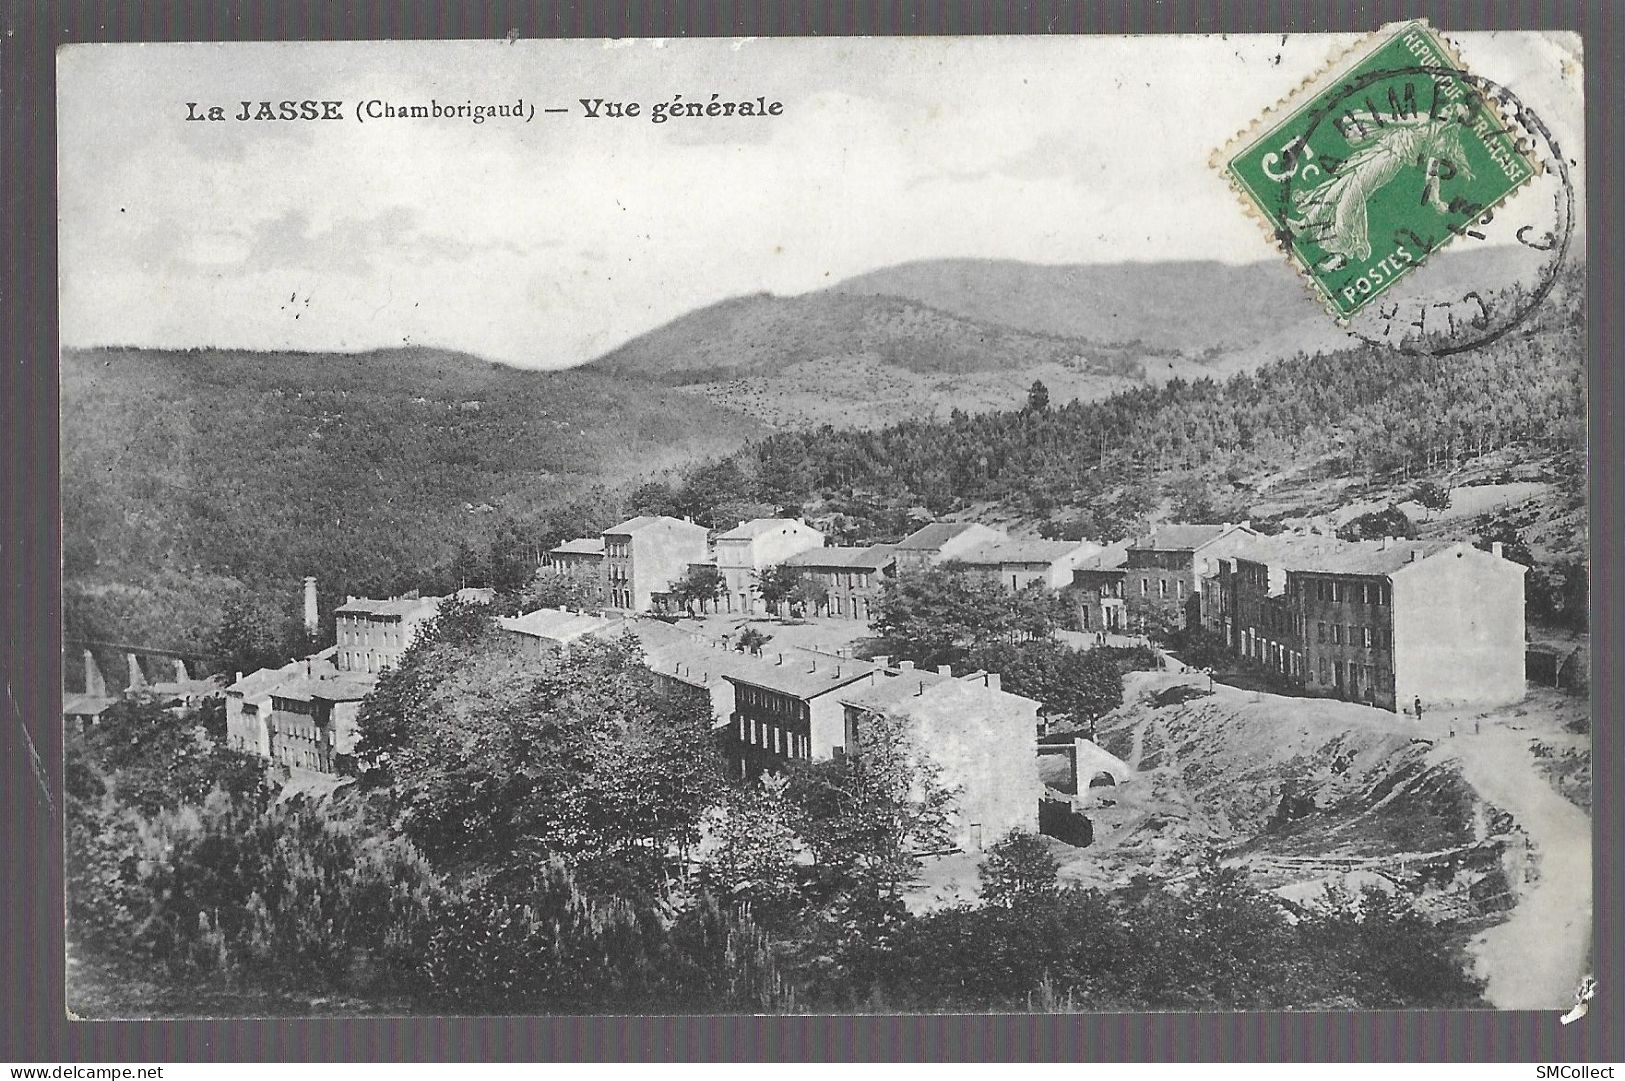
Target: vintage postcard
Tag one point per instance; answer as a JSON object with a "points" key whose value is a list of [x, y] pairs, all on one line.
{"points": [[980, 524]]}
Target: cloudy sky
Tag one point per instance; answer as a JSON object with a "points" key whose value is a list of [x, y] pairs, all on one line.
{"points": [[546, 244]]}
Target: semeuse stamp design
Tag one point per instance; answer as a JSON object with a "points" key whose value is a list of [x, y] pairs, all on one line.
{"points": [[1378, 168]]}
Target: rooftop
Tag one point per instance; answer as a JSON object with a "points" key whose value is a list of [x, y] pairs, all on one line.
{"points": [[261, 682], [393, 608], [1021, 551], [75, 704], [953, 703], [1372, 557], [757, 526], [1183, 537], [648, 521], [581, 546], [934, 536], [800, 673], [559, 625], [1110, 558], [346, 687], [871, 558]]}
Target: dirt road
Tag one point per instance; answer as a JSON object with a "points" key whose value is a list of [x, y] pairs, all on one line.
{"points": [[1533, 961]]}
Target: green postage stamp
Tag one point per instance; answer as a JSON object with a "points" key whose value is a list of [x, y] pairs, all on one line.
{"points": [[1372, 168]]}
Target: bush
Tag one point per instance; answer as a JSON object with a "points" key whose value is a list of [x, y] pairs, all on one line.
{"points": [[1019, 868]]}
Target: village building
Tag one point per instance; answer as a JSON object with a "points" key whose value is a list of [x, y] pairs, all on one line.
{"points": [[1096, 592], [983, 739], [785, 708], [743, 551], [1017, 564], [551, 631], [312, 720], [643, 556], [581, 559], [1382, 622], [942, 541], [851, 579], [1164, 569], [371, 635]]}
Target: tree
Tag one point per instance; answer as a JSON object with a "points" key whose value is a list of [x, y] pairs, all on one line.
{"points": [[1019, 868], [1037, 397], [754, 861], [1432, 495], [945, 613], [251, 634], [700, 585], [501, 760], [1079, 685], [1374, 525], [809, 594], [776, 584], [870, 813], [549, 588], [752, 640]]}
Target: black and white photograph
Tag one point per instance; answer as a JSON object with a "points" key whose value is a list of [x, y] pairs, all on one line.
{"points": [[848, 525]]}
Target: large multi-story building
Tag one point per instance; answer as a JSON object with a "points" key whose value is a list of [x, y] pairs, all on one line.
{"points": [[312, 720], [852, 578], [744, 550], [1164, 568], [643, 556], [1097, 590], [1383, 622], [983, 739], [942, 541], [1017, 564], [371, 635]]}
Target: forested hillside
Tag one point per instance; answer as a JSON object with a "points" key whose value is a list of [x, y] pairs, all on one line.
{"points": [[1364, 412], [190, 479], [200, 487]]}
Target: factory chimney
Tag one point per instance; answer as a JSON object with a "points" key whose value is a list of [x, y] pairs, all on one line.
{"points": [[312, 620]]}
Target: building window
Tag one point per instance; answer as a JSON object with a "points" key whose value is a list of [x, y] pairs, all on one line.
{"points": [[1337, 634], [1145, 586], [1320, 629]]}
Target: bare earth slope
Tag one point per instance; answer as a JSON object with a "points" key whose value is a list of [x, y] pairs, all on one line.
{"points": [[1456, 813]]}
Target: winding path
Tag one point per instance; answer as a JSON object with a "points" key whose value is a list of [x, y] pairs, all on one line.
{"points": [[1534, 960]]}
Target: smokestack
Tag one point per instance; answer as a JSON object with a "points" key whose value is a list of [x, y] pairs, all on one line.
{"points": [[993, 680], [136, 678], [1387, 543], [814, 667], [907, 666], [780, 659], [94, 682], [945, 669], [1495, 548], [312, 619], [921, 690], [1411, 556], [882, 660]]}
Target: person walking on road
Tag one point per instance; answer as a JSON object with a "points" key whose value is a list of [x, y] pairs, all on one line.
{"points": [[1418, 709]]}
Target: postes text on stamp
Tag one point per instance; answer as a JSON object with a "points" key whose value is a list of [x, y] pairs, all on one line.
{"points": [[1373, 169]]}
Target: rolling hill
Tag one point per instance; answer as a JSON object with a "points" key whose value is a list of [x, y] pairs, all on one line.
{"points": [[918, 340], [187, 474]]}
